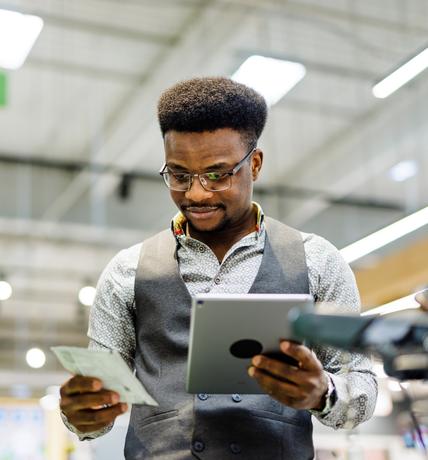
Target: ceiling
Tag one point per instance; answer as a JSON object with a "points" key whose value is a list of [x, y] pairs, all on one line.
{"points": [[80, 126]]}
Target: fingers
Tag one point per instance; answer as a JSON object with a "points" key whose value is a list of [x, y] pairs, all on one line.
{"points": [[274, 386], [278, 369], [87, 405], [286, 393], [307, 394], [299, 387], [89, 400], [80, 384], [306, 358], [93, 420]]}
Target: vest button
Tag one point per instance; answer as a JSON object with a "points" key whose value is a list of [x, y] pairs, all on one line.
{"points": [[217, 280], [203, 396], [235, 448], [237, 398], [198, 446]]}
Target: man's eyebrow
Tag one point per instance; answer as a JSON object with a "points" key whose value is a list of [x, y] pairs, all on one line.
{"points": [[214, 167], [218, 166], [176, 166]]}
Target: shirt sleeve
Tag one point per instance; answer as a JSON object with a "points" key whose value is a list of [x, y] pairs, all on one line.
{"points": [[111, 319], [332, 282]]}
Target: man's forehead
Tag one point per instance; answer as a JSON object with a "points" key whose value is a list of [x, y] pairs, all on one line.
{"points": [[188, 140], [205, 148], [200, 160]]}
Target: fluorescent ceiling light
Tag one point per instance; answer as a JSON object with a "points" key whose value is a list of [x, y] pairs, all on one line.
{"points": [[403, 170], [272, 78], [385, 236], [18, 33], [404, 303], [402, 75]]}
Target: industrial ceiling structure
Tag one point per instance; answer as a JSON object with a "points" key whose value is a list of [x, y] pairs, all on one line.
{"points": [[80, 148]]}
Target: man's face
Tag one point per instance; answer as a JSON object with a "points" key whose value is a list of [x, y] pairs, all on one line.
{"points": [[220, 150]]}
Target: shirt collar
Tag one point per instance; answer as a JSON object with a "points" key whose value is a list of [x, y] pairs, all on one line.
{"points": [[178, 223]]}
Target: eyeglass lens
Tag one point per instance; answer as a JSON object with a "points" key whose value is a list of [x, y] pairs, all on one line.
{"points": [[211, 181]]}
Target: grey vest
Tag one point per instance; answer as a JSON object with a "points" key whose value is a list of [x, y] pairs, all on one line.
{"points": [[212, 427]]}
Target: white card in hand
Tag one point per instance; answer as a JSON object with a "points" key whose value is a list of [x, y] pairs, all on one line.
{"points": [[109, 367]]}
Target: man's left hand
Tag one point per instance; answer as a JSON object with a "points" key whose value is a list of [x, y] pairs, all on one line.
{"points": [[302, 387]]}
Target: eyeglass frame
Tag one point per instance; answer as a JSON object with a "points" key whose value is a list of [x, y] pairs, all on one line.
{"points": [[230, 173]]}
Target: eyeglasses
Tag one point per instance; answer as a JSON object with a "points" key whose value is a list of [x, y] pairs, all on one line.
{"points": [[213, 181]]}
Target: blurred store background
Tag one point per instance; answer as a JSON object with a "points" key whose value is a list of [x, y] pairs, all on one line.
{"points": [[80, 152]]}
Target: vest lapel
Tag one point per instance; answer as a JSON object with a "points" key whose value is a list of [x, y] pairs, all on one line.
{"points": [[283, 268], [158, 261]]}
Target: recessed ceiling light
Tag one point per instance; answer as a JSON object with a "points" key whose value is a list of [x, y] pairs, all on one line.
{"points": [[402, 75], [36, 358], [18, 33], [5, 290], [403, 170], [87, 295], [272, 78]]}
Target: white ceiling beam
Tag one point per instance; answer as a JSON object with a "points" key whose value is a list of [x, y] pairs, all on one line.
{"points": [[35, 379], [69, 233], [88, 71], [49, 337]]}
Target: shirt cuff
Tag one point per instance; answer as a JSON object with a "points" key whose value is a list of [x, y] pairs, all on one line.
{"points": [[85, 436], [330, 399]]}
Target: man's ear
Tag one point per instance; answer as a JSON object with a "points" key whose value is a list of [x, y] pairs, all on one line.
{"points": [[256, 163]]}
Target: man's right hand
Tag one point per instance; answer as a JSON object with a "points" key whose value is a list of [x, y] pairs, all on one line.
{"points": [[87, 405]]}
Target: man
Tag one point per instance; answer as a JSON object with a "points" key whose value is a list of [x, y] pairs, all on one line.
{"points": [[220, 241]]}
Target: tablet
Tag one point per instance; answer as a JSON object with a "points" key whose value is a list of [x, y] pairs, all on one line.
{"points": [[227, 330]]}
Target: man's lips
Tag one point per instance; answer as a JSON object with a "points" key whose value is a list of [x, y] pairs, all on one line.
{"points": [[201, 212], [201, 209]]}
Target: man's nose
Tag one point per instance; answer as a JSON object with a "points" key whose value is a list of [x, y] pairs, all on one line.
{"points": [[197, 192]]}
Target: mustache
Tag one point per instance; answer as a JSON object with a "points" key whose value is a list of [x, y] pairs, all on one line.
{"points": [[185, 206]]}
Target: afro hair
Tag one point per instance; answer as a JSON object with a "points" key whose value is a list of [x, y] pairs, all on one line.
{"points": [[210, 103]]}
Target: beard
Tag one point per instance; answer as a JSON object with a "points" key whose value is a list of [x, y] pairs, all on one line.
{"points": [[220, 226], [204, 227]]}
